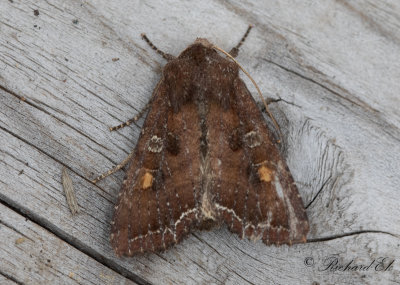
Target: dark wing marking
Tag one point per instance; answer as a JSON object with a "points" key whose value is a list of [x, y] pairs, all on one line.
{"points": [[255, 194], [150, 214]]}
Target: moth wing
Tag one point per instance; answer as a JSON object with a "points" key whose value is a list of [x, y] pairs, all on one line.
{"points": [[156, 206], [254, 192]]}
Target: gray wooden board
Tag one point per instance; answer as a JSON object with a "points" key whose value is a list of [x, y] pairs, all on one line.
{"points": [[4, 280], [32, 255], [331, 66]]}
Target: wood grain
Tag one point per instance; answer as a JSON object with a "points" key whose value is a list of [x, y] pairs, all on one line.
{"points": [[330, 67], [32, 255]]}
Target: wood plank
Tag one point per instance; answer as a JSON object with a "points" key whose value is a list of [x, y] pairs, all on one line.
{"points": [[6, 280], [331, 66], [32, 255]]}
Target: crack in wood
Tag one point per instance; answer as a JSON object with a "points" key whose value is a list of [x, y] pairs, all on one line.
{"points": [[360, 103], [72, 242], [355, 233]]}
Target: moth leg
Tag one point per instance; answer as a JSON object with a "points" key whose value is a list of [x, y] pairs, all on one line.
{"points": [[115, 169], [130, 121], [166, 56], [235, 51]]}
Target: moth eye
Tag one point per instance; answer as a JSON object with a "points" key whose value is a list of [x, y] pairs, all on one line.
{"points": [[173, 145], [234, 140]]}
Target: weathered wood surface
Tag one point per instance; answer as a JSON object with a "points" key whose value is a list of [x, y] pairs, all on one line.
{"points": [[333, 66], [32, 255]]}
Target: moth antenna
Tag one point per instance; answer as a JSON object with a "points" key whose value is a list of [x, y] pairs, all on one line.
{"points": [[130, 121], [235, 51], [166, 56], [115, 169], [258, 89]]}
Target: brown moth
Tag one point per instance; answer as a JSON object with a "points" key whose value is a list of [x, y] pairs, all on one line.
{"points": [[205, 157]]}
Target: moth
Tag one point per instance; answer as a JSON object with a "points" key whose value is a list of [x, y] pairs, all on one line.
{"points": [[205, 157]]}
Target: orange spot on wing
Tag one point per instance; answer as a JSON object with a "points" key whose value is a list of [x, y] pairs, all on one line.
{"points": [[265, 174], [147, 180]]}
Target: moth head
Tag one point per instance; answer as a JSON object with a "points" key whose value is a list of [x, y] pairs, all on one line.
{"points": [[203, 42], [198, 51]]}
